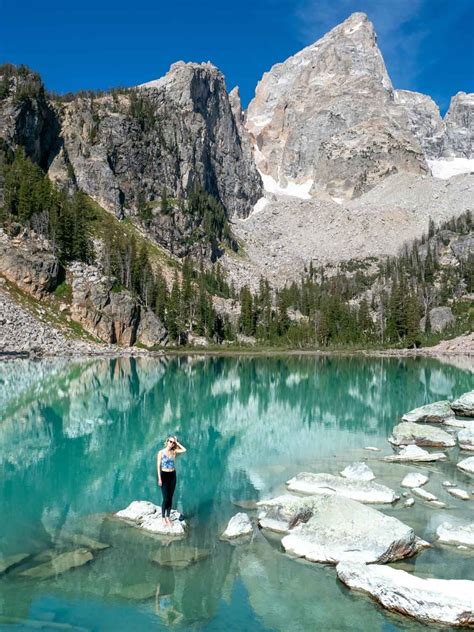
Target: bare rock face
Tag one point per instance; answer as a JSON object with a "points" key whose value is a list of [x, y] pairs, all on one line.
{"points": [[331, 98], [116, 317], [440, 319], [151, 331], [26, 117], [459, 124], [425, 122], [173, 133], [27, 261], [355, 160], [111, 316]]}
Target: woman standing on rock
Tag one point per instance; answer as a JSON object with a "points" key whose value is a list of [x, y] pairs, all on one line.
{"points": [[165, 465]]}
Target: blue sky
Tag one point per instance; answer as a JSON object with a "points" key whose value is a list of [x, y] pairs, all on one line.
{"points": [[428, 45]]}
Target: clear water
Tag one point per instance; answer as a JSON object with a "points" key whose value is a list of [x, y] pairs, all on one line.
{"points": [[78, 440]]}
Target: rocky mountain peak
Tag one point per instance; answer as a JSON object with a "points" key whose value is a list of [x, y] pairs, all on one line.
{"points": [[182, 75], [334, 87], [172, 134]]}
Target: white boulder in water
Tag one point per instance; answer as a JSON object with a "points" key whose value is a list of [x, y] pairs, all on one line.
{"points": [[409, 502], [462, 494], [147, 516], [464, 405], [458, 535], [423, 493], [362, 491], [340, 528], [466, 439], [467, 465], [415, 454], [407, 433], [358, 472], [414, 479], [238, 526], [438, 412], [447, 601]]}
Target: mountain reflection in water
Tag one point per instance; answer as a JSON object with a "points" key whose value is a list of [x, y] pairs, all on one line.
{"points": [[78, 440]]}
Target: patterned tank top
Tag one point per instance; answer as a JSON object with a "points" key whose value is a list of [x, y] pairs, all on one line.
{"points": [[167, 462]]}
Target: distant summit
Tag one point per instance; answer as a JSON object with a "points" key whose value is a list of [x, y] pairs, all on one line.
{"points": [[327, 121]]}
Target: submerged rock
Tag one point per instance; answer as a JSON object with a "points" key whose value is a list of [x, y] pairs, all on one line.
{"points": [[363, 491], [415, 454], [341, 528], [238, 526], [466, 439], [60, 564], [458, 493], [408, 433], [456, 534], [80, 539], [179, 557], [11, 561], [447, 601], [414, 479], [147, 516], [438, 412], [437, 503], [249, 505], [467, 465], [464, 405], [358, 472], [136, 592]]}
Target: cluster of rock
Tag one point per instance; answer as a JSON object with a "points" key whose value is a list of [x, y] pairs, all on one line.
{"points": [[328, 519], [74, 552], [113, 317]]}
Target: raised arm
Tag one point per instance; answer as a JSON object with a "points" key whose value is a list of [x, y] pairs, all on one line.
{"points": [[158, 467], [179, 448]]}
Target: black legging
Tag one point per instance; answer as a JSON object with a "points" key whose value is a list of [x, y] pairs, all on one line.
{"points": [[168, 483]]}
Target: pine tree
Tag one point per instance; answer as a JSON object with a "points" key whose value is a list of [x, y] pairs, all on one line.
{"points": [[173, 312], [246, 321]]}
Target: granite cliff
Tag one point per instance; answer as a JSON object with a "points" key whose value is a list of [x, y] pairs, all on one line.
{"points": [[327, 121]]}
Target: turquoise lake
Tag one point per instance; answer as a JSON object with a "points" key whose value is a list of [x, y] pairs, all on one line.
{"points": [[78, 441]]}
